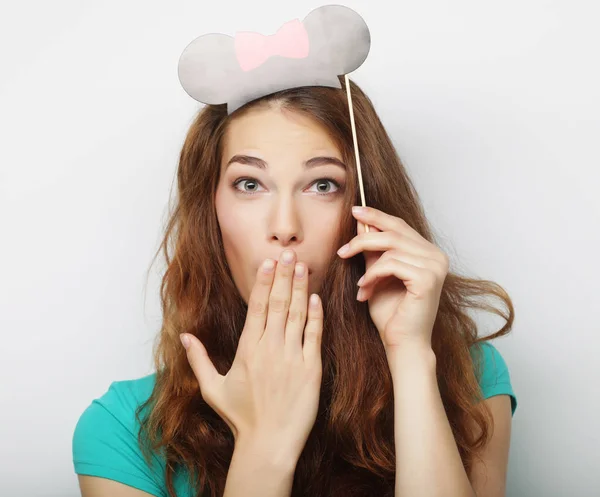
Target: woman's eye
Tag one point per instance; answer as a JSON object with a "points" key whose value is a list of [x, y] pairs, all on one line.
{"points": [[323, 182], [248, 181], [252, 184]]}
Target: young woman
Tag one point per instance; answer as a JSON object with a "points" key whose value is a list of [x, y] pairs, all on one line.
{"points": [[388, 393]]}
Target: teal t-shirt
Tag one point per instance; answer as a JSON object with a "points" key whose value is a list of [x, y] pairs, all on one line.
{"points": [[105, 437]]}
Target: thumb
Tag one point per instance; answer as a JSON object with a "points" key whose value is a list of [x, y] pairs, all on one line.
{"points": [[203, 368]]}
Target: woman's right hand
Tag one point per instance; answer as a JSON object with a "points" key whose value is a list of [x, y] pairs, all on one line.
{"points": [[270, 396]]}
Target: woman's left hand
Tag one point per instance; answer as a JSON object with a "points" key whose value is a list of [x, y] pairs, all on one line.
{"points": [[403, 279]]}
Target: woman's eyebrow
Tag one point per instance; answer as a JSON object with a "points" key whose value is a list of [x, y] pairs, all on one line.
{"points": [[261, 164]]}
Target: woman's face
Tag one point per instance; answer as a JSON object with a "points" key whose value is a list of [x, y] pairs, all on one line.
{"points": [[281, 187]]}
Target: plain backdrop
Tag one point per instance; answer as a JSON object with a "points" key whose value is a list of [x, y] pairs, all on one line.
{"points": [[493, 107]]}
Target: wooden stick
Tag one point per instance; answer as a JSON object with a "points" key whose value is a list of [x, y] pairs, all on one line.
{"points": [[360, 183]]}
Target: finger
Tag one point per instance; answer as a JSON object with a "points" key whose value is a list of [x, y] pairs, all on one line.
{"points": [[203, 368], [279, 300], [382, 242], [362, 228], [418, 281], [370, 257], [382, 267], [258, 303], [297, 314], [313, 331], [386, 222]]}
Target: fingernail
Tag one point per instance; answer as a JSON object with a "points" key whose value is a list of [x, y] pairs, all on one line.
{"points": [[358, 210], [361, 280], [185, 340], [299, 270], [359, 295], [268, 265], [344, 249], [287, 256]]}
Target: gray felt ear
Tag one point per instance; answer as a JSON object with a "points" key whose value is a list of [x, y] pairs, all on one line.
{"points": [[207, 68], [339, 42], [339, 39]]}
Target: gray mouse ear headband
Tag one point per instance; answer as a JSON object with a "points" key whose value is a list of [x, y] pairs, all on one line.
{"points": [[331, 40]]}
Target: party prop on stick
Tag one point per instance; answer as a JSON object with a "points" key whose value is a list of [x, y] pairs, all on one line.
{"points": [[331, 40]]}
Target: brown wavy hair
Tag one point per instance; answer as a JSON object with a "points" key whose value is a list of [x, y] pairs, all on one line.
{"points": [[350, 450]]}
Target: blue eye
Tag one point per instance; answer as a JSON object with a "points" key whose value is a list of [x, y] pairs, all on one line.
{"points": [[252, 180]]}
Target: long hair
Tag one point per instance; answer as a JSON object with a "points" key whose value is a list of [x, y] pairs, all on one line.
{"points": [[350, 451]]}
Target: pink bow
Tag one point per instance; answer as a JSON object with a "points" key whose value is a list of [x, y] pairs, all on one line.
{"points": [[252, 49]]}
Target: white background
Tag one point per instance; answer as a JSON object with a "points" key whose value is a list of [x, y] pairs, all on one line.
{"points": [[493, 107]]}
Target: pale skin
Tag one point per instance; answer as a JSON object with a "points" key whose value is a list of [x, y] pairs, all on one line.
{"points": [[284, 205], [279, 210]]}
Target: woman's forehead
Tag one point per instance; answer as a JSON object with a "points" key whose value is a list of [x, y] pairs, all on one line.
{"points": [[268, 126]]}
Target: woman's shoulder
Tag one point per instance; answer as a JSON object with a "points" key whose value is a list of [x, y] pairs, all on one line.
{"points": [[494, 377], [121, 399], [105, 439], [128, 394]]}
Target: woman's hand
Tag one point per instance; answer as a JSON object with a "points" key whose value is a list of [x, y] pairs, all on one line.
{"points": [[403, 278], [271, 393]]}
